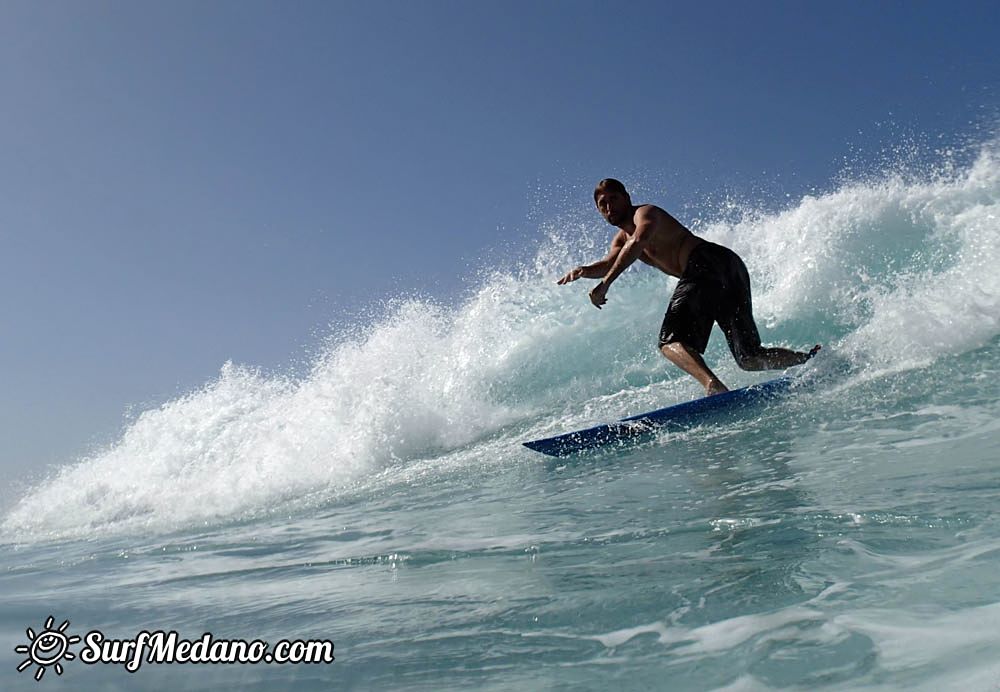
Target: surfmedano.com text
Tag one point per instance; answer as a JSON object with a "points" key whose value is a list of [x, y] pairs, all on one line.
{"points": [[167, 647]]}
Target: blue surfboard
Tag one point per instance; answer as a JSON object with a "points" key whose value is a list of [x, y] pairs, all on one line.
{"points": [[687, 413]]}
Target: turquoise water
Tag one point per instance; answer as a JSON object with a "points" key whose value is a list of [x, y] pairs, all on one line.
{"points": [[843, 537]]}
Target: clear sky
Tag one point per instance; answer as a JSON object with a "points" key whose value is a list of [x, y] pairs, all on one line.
{"points": [[183, 183]]}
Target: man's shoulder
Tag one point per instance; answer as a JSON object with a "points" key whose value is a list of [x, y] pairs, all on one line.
{"points": [[650, 212]]}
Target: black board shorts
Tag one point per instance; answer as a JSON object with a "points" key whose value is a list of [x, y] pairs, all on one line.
{"points": [[715, 287]]}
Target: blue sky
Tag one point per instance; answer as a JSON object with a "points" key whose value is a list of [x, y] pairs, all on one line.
{"points": [[184, 183]]}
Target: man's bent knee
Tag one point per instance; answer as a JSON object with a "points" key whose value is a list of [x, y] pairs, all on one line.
{"points": [[674, 347]]}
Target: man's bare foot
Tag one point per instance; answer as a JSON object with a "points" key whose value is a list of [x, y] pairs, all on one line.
{"points": [[715, 387]]}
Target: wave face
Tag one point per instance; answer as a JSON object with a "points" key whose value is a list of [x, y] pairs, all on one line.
{"points": [[892, 273]]}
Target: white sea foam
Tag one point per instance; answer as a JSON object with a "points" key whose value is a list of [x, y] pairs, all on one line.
{"points": [[905, 269], [893, 273]]}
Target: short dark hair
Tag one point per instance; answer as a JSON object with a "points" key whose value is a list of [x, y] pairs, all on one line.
{"points": [[610, 184]]}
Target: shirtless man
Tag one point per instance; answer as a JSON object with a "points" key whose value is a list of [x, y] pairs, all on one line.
{"points": [[714, 287]]}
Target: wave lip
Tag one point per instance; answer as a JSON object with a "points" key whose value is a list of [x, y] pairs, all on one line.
{"points": [[892, 273]]}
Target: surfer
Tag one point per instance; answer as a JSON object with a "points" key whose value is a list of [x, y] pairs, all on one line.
{"points": [[714, 287]]}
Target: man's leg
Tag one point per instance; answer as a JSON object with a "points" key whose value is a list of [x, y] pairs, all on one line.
{"points": [[688, 323], [774, 358], [744, 342], [738, 325], [691, 362]]}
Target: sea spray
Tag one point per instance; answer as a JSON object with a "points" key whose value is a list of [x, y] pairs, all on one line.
{"points": [[891, 273]]}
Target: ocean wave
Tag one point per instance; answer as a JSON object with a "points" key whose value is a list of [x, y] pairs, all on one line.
{"points": [[892, 273]]}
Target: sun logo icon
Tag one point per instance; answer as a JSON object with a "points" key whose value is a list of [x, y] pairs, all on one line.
{"points": [[47, 648]]}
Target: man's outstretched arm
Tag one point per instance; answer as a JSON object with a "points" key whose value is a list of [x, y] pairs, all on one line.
{"points": [[633, 247], [599, 268], [630, 252]]}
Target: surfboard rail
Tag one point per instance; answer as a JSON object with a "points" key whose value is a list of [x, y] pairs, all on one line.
{"points": [[645, 423]]}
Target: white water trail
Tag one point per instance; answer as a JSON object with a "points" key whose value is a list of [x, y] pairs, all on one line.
{"points": [[892, 273]]}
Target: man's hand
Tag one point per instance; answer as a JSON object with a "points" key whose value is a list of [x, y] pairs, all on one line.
{"points": [[571, 275], [598, 293]]}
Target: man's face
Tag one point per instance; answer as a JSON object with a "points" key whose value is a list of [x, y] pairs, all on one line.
{"points": [[614, 206]]}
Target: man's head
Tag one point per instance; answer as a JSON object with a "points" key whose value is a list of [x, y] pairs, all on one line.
{"points": [[613, 201]]}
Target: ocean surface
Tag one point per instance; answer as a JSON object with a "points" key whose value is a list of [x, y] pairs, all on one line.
{"points": [[846, 536]]}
